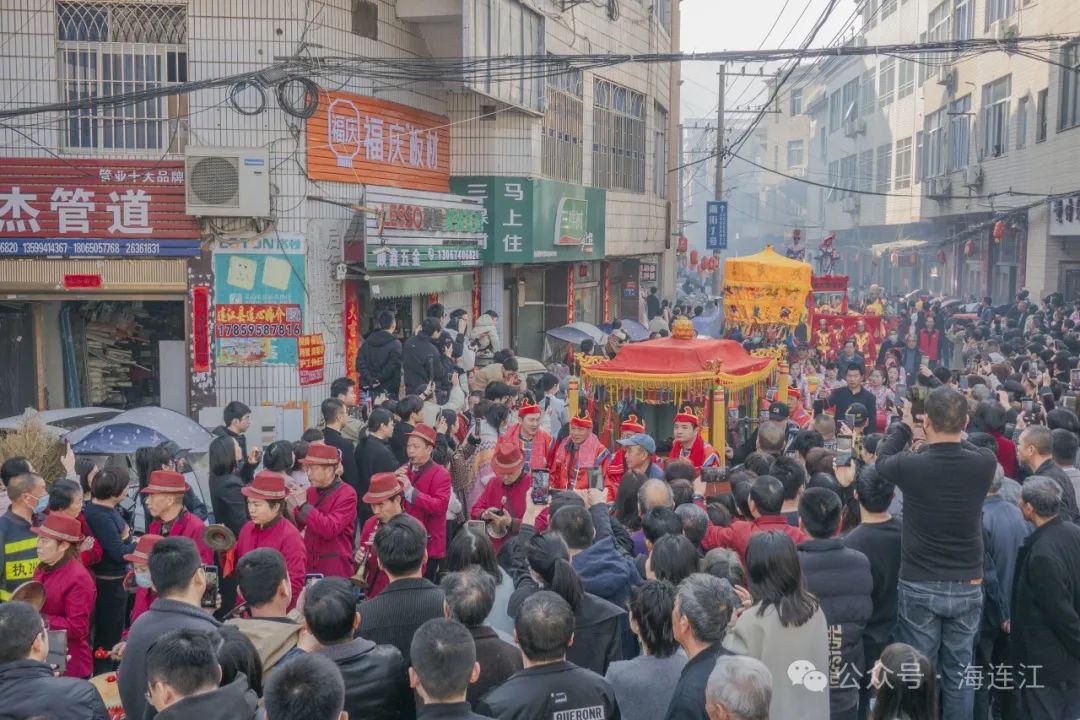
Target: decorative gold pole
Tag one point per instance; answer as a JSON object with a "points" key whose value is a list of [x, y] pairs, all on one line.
{"points": [[719, 422], [783, 381], [572, 397]]}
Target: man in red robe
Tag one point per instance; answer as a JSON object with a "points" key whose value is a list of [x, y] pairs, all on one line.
{"points": [[580, 451], [798, 415], [326, 513], [426, 485], [165, 501], [535, 443], [690, 444]]}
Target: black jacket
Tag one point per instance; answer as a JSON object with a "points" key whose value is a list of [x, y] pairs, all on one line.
{"points": [[375, 678], [394, 616], [444, 378], [348, 458], [420, 363], [164, 615], [498, 661], [228, 502], [449, 711], [1046, 604], [398, 441], [235, 701], [379, 363], [1068, 492], [688, 701], [840, 578], [28, 688], [546, 692], [247, 470], [373, 455]]}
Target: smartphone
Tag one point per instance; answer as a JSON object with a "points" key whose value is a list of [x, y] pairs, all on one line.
{"points": [[963, 382], [312, 578], [844, 448], [477, 526], [58, 650], [895, 419], [1074, 379], [209, 598], [1028, 405], [541, 486], [596, 478]]}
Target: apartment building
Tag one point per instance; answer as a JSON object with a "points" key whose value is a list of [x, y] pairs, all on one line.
{"points": [[249, 233], [941, 164]]}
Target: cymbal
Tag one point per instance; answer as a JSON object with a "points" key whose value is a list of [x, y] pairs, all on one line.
{"points": [[32, 593], [218, 538]]}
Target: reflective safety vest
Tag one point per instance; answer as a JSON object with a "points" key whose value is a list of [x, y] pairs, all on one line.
{"points": [[18, 553]]}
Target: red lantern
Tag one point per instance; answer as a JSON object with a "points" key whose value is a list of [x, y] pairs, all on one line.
{"points": [[693, 258], [894, 259], [999, 230], [914, 257], [969, 248], [683, 244], [941, 257]]}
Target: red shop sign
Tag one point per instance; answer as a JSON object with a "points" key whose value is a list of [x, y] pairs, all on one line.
{"points": [[94, 198], [200, 328], [311, 357], [82, 282]]}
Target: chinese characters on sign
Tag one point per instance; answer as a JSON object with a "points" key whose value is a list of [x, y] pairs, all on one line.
{"points": [[1065, 216], [647, 272], [258, 321], [422, 231], [352, 138], [716, 225], [397, 257], [311, 354], [399, 216], [70, 204]]}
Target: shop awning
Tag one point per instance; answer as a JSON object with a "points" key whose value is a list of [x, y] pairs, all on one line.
{"points": [[392, 286], [896, 245]]}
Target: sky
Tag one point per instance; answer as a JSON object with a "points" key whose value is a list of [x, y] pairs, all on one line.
{"points": [[711, 25]]}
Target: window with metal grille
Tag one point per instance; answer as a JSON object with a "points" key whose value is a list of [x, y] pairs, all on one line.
{"points": [[995, 117], [903, 163], [660, 151], [959, 133], [998, 10], [663, 14], [113, 49], [836, 111], [963, 19], [884, 168], [888, 7], [886, 81], [869, 14], [866, 170], [1070, 86], [796, 102], [849, 168], [365, 19], [849, 94], [1040, 115], [563, 128], [618, 137], [938, 22]]}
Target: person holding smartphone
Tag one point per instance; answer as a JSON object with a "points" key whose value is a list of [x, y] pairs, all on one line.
{"points": [[502, 504]]}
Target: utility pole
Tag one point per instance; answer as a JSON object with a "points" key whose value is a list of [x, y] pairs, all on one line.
{"points": [[719, 195]]}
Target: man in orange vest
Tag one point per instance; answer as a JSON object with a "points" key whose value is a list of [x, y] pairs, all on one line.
{"points": [[536, 445], [690, 444]]}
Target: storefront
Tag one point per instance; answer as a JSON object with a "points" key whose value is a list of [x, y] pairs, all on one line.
{"points": [[94, 259], [548, 238], [627, 282], [412, 242]]}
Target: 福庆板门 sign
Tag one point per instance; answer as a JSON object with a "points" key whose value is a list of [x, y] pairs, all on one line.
{"points": [[94, 208], [259, 299], [716, 225], [413, 230], [532, 220], [357, 139]]}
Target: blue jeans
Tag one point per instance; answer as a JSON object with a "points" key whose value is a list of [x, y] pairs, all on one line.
{"points": [[941, 620]]}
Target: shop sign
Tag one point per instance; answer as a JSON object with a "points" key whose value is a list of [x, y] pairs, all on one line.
{"points": [[426, 257], [716, 228], [259, 291], [401, 216], [422, 231], [200, 328], [86, 208], [352, 327], [82, 282], [1065, 216], [647, 272], [532, 220], [357, 139], [311, 360]]}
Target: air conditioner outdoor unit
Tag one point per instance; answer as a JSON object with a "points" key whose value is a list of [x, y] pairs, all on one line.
{"points": [[936, 187], [850, 205], [1002, 30], [227, 182], [973, 176], [855, 126]]}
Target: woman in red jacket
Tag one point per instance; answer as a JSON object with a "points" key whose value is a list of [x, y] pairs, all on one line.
{"points": [[385, 497], [427, 493], [70, 591], [326, 512], [66, 496], [144, 588], [271, 526]]}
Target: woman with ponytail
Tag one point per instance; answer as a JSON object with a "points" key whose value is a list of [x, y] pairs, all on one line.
{"points": [[597, 623]]}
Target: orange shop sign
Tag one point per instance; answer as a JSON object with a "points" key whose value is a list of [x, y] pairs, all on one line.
{"points": [[357, 139]]}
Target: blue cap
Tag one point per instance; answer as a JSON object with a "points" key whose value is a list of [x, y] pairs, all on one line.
{"points": [[641, 440]]}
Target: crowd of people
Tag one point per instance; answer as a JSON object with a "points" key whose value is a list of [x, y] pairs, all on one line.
{"points": [[903, 550]]}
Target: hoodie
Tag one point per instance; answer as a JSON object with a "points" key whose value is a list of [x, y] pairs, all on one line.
{"points": [[605, 572], [379, 363], [272, 637], [487, 335], [235, 701]]}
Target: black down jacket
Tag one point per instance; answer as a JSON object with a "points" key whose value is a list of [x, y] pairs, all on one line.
{"points": [[379, 363]]}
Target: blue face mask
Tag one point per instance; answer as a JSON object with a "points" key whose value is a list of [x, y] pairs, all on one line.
{"points": [[142, 579], [42, 504]]}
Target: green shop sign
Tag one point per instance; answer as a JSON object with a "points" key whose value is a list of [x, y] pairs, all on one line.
{"points": [[534, 221], [421, 257]]}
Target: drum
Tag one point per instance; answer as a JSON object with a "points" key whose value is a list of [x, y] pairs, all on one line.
{"points": [[109, 690]]}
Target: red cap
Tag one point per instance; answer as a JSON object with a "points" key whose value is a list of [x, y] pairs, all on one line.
{"points": [[632, 425], [321, 454], [528, 408], [165, 481], [687, 416], [267, 485], [581, 422], [141, 553], [60, 527], [508, 458], [384, 486], [425, 433], [793, 393]]}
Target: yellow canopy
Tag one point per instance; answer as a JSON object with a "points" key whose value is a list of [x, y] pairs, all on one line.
{"points": [[766, 289]]}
